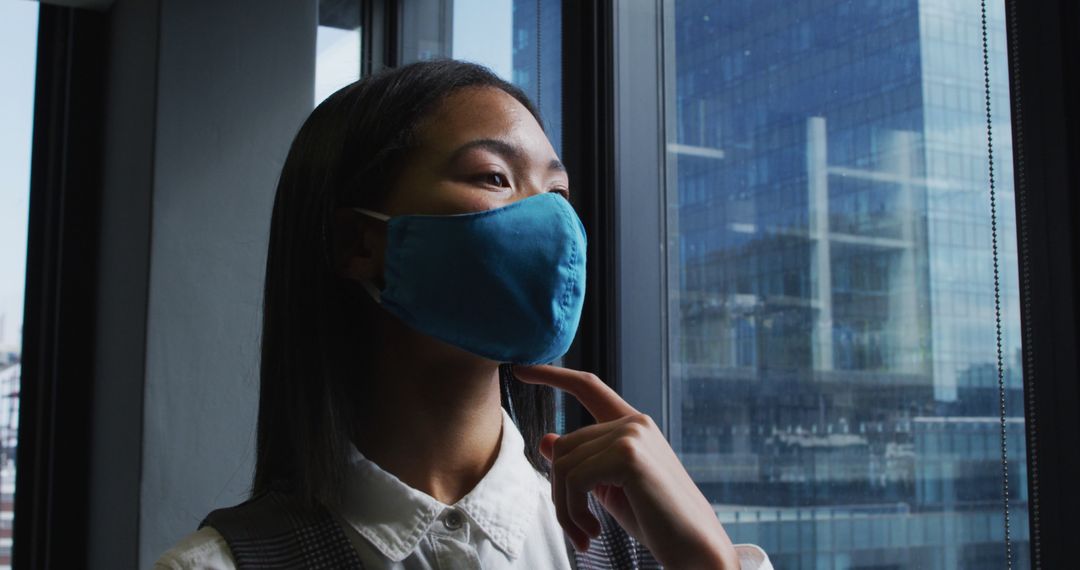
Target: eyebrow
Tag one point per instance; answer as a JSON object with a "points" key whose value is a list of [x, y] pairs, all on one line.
{"points": [[508, 151]]}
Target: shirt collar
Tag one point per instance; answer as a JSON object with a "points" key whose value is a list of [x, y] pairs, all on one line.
{"points": [[394, 516]]}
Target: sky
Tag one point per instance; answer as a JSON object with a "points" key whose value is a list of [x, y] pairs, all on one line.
{"points": [[337, 57], [18, 47], [483, 32]]}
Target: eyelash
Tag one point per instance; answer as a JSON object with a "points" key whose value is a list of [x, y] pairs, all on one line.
{"points": [[486, 177]]}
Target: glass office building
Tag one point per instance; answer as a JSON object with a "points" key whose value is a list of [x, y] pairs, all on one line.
{"points": [[833, 358]]}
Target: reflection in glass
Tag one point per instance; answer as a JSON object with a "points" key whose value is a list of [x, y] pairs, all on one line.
{"points": [[833, 381]]}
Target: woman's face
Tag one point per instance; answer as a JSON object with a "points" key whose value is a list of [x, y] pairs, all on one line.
{"points": [[479, 149]]}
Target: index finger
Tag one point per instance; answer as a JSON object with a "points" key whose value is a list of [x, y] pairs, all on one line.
{"points": [[601, 401]]}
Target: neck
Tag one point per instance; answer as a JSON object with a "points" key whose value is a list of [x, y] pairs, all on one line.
{"points": [[431, 415]]}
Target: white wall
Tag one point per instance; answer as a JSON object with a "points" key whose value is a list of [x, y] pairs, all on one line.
{"points": [[204, 99]]}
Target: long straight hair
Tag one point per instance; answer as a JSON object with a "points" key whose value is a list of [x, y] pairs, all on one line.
{"points": [[316, 326]]}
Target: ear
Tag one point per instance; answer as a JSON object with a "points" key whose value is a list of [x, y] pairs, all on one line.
{"points": [[359, 244]]}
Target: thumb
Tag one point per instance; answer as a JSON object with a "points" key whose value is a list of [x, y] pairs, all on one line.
{"points": [[547, 445]]}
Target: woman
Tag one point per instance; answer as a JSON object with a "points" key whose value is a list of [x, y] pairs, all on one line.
{"points": [[421, 244]]}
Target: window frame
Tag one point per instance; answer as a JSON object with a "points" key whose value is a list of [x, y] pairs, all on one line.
{"points": [[1043, 49], [52, 491], [589, 158], [611, 154], [640, 210], [613, 157]]}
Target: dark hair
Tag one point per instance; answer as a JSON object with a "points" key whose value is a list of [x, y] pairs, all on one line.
{"points": [[349, 151]]}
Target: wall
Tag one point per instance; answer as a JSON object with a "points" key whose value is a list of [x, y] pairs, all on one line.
{"points": [[124, 246], [204, 99]]}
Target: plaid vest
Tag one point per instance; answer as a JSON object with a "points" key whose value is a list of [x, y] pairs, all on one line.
{"points": [[274, 531]]}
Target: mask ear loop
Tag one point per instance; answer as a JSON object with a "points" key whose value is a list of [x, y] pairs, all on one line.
{"points": [[376, 215], [367, 285], [372, 290]]}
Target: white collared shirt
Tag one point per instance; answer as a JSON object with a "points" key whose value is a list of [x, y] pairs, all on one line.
{"points": [[506, 521]]}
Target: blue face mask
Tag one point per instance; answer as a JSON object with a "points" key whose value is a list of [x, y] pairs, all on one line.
{"points": [[506, 284]]}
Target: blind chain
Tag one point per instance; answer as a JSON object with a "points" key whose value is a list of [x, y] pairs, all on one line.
{"points": [[997, 286]]}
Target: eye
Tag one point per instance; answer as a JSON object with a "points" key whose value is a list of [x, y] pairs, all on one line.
{"points": [[494, 179], [564, 192]]}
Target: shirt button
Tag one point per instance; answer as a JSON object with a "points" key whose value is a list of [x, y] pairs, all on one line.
{"points": [[453, 520]]}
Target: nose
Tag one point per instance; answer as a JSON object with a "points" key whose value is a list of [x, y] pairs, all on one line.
{"points": [[529, 188]]}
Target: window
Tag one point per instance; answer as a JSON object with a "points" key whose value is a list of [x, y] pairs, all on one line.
{"points": [[787, 203], [520, 40], [18, 46], [832, 361], [338, 46]]}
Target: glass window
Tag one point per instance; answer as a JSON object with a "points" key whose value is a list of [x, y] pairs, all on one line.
{"points": [[18, 59], [833, 363], [338, 45]]}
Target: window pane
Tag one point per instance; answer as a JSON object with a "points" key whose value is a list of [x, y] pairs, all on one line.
{"points": [[337, 46], [833, 380], [18, 59]]}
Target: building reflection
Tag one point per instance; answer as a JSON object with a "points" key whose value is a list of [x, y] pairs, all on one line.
{"points": [[834, 388]]}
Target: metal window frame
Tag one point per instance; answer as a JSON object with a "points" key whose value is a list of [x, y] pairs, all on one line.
{"points": [[52, 490], [1044, 52], [589, 158], [640, 223], [378, 20], [612, 49]]}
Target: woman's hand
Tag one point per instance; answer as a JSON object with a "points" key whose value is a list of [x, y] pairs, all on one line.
{"points": [[629, 466]]}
